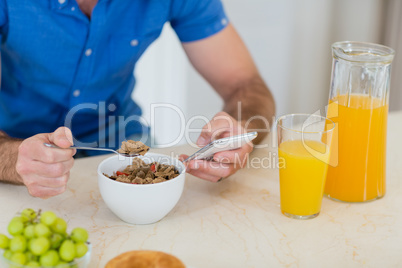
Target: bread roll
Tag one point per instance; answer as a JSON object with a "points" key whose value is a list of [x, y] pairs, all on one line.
{"points": [[145, 259]]}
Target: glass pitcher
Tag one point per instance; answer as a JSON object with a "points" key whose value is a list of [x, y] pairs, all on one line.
{"points": [[358, 104]]}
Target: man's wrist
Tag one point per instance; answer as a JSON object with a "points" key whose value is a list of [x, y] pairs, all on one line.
{"points": [[8, 157], [253, 106]]}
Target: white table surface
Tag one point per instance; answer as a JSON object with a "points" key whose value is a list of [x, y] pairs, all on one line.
{"points": [[237, 222]]}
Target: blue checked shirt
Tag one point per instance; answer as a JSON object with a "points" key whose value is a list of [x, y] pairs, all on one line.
{"points": [[60, 68]]}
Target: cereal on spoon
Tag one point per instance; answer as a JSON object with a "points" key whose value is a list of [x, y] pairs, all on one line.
{"points": [[133, 147], [139, 172]]}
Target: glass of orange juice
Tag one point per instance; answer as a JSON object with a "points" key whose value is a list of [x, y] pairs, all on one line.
{"points": [[303, 145]]}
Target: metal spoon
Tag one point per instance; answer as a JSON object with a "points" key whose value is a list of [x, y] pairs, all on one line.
{"points": [[92, 148]]}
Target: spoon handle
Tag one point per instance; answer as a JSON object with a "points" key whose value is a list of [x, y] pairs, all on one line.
{"points": [[80, 147]]}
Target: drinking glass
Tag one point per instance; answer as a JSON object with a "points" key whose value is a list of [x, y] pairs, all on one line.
{"points": [[303, 150]]}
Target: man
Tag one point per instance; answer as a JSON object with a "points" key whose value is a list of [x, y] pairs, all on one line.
{"points": [[62, 59]]}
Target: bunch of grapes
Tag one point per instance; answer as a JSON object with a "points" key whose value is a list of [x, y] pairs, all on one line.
{"points": [[41, 240]]}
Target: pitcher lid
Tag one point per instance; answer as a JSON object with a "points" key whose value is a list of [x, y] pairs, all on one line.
{"points": [[363, 52]]}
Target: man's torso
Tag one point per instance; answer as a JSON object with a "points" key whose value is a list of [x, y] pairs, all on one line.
{"points": [[61, 68]]}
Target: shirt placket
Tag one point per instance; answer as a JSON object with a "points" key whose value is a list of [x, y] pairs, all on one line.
{"points": [[78, 89], [80, 82], [83, 73], [71, 8], [67, 7]]}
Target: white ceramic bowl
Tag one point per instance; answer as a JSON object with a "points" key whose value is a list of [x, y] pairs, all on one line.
{"points": [[140, 203]]}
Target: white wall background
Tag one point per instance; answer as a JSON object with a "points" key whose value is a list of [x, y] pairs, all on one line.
{"points": [[290, 42]]}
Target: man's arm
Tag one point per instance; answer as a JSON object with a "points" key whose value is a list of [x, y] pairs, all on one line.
{"points": [[8, 157], [224, 61]]}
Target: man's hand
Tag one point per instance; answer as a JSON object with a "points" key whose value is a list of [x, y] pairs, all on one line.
{"points": [[224, 163], [44, 170]]}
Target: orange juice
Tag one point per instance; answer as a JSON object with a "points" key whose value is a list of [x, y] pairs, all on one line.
{"points": [[302, 177], [360, 138]]}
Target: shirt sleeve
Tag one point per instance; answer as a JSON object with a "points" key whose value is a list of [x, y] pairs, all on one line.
{"points": [[197, 19]]}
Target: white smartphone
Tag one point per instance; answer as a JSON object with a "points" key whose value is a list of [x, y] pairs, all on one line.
{"points": [[225, 144]]}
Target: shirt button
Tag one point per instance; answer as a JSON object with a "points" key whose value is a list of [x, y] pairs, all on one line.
{"points": [[88, 52], [134, 42], [76, 93], [224, 21], [62, 2], [73, 8]]}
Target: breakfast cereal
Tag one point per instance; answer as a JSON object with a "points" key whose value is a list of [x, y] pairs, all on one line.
{"points": [[133, 147], [141, 173]]}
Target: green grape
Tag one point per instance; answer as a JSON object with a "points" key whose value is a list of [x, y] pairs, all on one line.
{"points": [[39, 246], [48, 218], [29, 231], [56, 240], [19, 258], [32, 264], [18, 243], [42, 230], [46, 239], [22, 219], [67, 251], [30, 256], [4, 241], [81, 249], [59, 226], [29, 243], [15, 227], [62, 264], [29, 213], [79, 235], [8, 254], [50, 258]]}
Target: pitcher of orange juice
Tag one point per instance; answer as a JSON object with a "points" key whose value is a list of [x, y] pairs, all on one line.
{"points": [[358, 104]]}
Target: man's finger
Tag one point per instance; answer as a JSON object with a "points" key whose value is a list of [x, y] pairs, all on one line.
{"points": [[36, 180], [183, 157], [208, 135], [221, 125], [205, 169], [52, 170], [34, 149], [235, 160], [62, 137], [204, 176], [237, 156], [45, 192]]}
